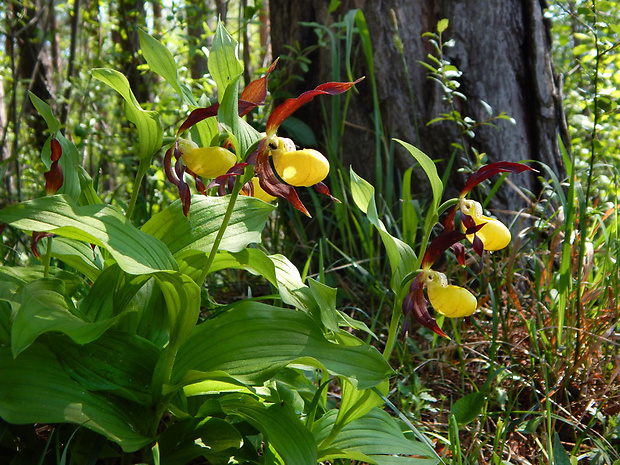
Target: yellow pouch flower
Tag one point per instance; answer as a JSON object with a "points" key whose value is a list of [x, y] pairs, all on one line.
{"points": [[451, 301], [494, 234], [209, 162], [302, 168], [260, 193]]}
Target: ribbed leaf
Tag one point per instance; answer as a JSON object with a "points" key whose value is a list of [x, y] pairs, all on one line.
{"points": [[401, 256], [178, 442], [34, 388], [77, 255], [160, 60], [205, 218], [253, 341], [224, 65], [148, 124], [70, 159], [117, 362], [103, 225], [375, 436], [110, 294], [280, 426], [45, 308]]}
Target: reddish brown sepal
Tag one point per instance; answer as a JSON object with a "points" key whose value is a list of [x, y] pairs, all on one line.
{"points": [[415, 305], [489, 170], [54, 177], [198, 115], [458, 250], [439, 245], [448, 221], [255, 92], [224, 181], [36, 237], [273, 186], [291, 105], [322, 189], [473, 228]]}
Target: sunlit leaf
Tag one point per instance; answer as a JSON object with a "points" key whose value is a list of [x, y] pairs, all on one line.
{"points": [[148, 123], [375, 436], [253, 341], [103, 225], [280, 426], [205, 218], [45, 308], [401, 256], [160, 60], [224, 65]]}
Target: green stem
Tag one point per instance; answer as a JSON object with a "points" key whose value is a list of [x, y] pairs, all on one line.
{"points": [[136, 191], [47, 258], [397, 312], [220, 235]]}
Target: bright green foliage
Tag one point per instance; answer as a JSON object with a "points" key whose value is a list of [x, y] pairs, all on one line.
{"points": [[114, 339]]}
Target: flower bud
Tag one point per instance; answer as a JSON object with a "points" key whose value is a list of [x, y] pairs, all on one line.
{"points": [[209, 162], [301, 167]]}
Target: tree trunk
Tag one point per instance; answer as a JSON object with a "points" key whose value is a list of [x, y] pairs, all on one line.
{"points": [[503, 50]]}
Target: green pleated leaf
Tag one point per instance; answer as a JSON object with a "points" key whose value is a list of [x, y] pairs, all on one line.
{"points": [[178, 442], [401, 256], [355, 403], [182, 296], [224, 65], [375, 438], [70, 159], [103, 225], [77, 255], [117, 362], [292, 289], [430, 169], [110, 294], [160, 60], [148, 123], [45, 308], [34, 388], [228, 113], [280, 426], [205, 218], [253, 341]]}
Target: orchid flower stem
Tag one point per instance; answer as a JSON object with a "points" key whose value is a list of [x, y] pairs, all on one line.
{"points": [[231, 206], [134, 194], [397, 312], [47, 258]]}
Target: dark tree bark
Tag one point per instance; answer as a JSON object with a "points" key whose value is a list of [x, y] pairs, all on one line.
{"points": [[32, 70], [503, 50], [131, 16], [198, 13]]}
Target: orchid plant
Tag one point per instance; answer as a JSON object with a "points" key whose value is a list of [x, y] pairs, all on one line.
{"points": [[483, 232], [107, 335]]}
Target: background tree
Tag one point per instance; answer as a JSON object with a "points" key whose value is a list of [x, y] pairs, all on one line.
{"points": [[503, 51]]}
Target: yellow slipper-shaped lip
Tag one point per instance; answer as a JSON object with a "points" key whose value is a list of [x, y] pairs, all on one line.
{"points": [[451, 301], [209, 162], [303, 168]]}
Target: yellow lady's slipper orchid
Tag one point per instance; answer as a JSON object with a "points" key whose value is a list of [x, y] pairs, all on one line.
{"points": [[451, 301], [209, 162], [494, 234], [259, 192], [305, 167]]}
